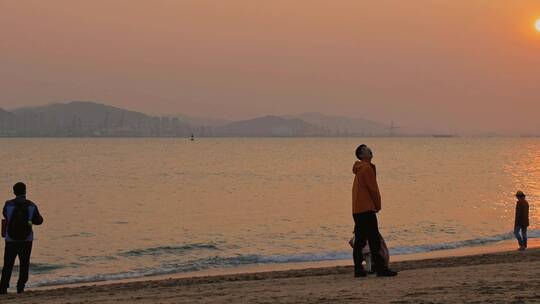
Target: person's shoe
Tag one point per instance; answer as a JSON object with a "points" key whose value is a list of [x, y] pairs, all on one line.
{"points": [[521, 248], [20, 289], [3, 291], [360, 274], [387, 273]]}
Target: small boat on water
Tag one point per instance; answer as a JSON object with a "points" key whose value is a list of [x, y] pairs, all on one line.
{"points": [[443, 135], [192, 137]]}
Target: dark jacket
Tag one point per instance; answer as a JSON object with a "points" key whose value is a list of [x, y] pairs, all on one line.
{"points": [[522, 214], [33, 210]]}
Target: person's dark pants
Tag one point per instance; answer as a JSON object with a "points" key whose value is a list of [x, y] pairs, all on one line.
{"points": [[366, 228], [521, 238], [23, 251]]}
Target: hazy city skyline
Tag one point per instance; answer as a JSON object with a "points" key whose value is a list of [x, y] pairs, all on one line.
{"points": [[450, 66]]}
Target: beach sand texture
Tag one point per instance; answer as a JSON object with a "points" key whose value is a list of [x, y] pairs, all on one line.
{"points": [[508, 277]]}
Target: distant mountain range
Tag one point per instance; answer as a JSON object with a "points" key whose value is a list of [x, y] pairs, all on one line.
{"points": [[90, 119], [344, 125], [5, 114], [201, 121], [269, 126]]}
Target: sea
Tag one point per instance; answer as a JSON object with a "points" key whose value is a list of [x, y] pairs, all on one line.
{"points": [[130, 208]]}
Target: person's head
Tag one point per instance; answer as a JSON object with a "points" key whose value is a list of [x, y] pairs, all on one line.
{"points": [[19, 189], [364, 153], [520, 195]]}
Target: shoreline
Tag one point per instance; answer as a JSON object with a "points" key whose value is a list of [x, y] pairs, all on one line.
{"points": [[306, 284], [502, 246]]}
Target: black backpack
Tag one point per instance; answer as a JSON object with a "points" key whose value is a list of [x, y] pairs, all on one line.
{"points": [[18, 227]]}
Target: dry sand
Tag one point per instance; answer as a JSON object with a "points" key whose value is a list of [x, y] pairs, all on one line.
{"points": [[508, 277]]}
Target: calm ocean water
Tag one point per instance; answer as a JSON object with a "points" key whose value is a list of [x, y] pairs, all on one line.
{"points": [[127, 208]]}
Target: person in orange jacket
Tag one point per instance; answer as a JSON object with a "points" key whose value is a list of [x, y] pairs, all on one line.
{"points": [[366, 202]]}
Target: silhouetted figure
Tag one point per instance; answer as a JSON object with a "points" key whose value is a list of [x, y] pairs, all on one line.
{"points": [[366, 202], [20, 214], [522, 220]]}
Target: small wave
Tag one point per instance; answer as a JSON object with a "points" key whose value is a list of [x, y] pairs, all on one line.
{"points": [[164, 250], [42, 268], [82, 234], [95, 258], [121, 222], [46, 268], [459, 244]]}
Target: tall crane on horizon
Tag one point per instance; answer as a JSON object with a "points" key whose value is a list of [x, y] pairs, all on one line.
{"points": [[392, 129]]}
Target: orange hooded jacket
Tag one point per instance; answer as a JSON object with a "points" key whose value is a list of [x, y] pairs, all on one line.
{"points": [[365, 192]]}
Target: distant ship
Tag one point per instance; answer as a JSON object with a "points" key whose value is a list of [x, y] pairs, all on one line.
{"points": [[192, 137], [443, 135]]}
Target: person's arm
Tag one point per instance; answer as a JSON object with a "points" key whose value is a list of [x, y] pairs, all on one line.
{"points": [[368, 175], [37, 219], [4, 222], [526, 213], [355, 167], [518, 214]]}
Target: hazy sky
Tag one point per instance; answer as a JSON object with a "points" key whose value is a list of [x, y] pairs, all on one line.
{"points": [[445, 66]]}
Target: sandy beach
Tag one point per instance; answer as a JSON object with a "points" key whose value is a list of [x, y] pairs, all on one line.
{"points": [[505, 277]]}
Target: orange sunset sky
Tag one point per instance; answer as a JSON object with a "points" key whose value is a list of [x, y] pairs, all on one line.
{"points": [[436, 66]]}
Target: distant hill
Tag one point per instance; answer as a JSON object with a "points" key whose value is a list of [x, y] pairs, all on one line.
{"points": [[91, 119], [83, 118], [5, 114], [201, 121], [269, 126], [340, 125], [7, 123]]}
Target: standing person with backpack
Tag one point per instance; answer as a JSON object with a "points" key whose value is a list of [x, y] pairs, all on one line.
{"points": [[20, 215]]}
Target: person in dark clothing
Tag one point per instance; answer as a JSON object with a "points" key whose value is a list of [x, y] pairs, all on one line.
{"points": [[521, 221], [19, 236], [366, 202]]}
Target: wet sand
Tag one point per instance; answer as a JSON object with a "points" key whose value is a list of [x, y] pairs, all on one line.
{"points": [[505, 277]]}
